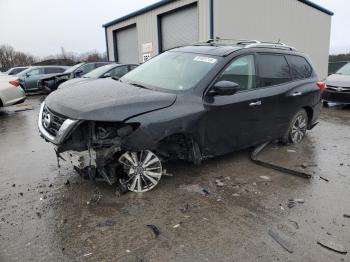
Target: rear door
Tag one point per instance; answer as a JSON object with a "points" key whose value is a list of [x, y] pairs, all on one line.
{"points": [[280, 94]]}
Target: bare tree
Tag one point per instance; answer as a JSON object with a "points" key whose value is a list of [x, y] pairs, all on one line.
{"points": [[9, 57]]}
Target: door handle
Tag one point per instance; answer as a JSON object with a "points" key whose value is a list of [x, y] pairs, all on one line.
{"points": [[257, 103], [297, 94]]}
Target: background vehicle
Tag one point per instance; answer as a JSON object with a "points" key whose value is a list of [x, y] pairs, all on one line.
{"points": [[189, 103], [16, 70], [50, 83], [28, 78], [10, 91], [110, 70], [338, 86]]}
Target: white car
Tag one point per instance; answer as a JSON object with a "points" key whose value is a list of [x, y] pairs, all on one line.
{"points": [[10, 91]]}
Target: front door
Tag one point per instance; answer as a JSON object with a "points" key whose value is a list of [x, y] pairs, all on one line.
{"points": [[235, 121], [32, 77]]}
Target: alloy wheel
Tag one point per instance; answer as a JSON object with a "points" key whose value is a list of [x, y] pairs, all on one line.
{"points": [[144, 170], [298, 130]]}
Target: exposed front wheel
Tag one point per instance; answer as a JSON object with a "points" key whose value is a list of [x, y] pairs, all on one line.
{"points": [[143, 170], [297, 128]]}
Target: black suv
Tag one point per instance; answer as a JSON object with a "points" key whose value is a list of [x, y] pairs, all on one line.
{"points": [[188, 103]]}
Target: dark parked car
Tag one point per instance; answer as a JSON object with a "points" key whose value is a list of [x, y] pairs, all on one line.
{"points": [[111, 70], [188, 103], [28, 78], [338, 86], [50, 83], [15, 70]]}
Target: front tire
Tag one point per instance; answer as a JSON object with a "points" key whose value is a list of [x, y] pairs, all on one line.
{"points": [[297, 128]]}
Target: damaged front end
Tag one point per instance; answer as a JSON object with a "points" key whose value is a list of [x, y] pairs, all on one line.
{"points": [[95, 150]]}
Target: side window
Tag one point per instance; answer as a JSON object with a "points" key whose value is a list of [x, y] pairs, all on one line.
{"points": [[119, 71], [273, 70], [36, 71], [52, 70], [242, 72], [132, 67], [87, 68], [299, 67]]}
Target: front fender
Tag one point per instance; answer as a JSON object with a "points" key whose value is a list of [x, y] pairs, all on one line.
{"points": [[157, 125]]}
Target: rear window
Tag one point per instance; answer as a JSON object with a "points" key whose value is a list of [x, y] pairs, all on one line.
{"points": [[299, 67], [273, 70]]}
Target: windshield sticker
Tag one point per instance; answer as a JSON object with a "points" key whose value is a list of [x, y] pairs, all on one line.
{"points": [[205, 59]]}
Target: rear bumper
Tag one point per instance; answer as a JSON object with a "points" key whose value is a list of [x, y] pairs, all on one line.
{"points": [[335, 96]]}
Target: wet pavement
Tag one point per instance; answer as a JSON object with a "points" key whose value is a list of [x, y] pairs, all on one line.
{"points": [[222, 210]]}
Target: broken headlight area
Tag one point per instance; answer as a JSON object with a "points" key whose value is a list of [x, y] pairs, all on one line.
{"points": [[94, 149]]}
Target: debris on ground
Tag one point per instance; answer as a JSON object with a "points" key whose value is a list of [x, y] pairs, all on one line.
{"points": [[185, 208], [20, 193], [95, 198], [254, 158], [50, 185], [280, 241], [295, 223], [107, 223], [165, 173], [38, 214], [155, 230], [205, 192], [219, 183], [325, 179], [347, 215], [67, 183], [291, 151], [87, 255], [332, 246], [265, 177], [176, 226], [13, 185], [292, 202], [304, 165]]}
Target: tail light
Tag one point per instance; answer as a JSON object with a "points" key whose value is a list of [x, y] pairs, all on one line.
{"points": [[321, 86], [14, 82]]}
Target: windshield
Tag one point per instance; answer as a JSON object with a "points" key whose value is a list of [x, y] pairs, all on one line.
{"points": [[172, 70], [71, 69], [344, 70], [100, 71]]}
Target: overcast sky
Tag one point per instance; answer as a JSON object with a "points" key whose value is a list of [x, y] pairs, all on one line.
{"points": [[42, 27]]}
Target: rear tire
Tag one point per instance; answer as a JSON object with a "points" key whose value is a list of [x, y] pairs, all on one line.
{"points": [[297, 128]]}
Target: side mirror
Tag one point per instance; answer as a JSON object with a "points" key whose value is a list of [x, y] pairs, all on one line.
{"points": [[78, 73], [225, 88], [27, 75]]}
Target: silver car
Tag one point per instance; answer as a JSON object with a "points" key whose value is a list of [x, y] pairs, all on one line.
{"points": [[338, 86]]}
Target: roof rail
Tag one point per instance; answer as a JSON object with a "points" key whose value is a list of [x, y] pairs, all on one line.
{"points": [[247, 43]]}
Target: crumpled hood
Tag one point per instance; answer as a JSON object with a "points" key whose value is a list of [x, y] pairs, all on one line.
{"points": [[106, 100], [338, 80]]}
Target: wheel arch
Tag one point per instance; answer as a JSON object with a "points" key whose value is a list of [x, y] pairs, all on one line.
{"points": [[310, 113]]}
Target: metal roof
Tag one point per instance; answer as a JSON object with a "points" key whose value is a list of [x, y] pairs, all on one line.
{"points": [[164, 2]]}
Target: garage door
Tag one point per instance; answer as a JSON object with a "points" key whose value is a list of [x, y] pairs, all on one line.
{"points": [[127, 45], [179, 28]]}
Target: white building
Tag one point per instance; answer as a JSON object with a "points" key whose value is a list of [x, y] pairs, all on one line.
{"points": [[170, 23]]}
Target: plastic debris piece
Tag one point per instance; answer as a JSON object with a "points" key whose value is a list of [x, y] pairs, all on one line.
{"points": [[265, 177], [219, 183], [280, 241], [155, 230], [332, 246], [325, 179], [291, 151], [87, 255], [176, 226]]}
